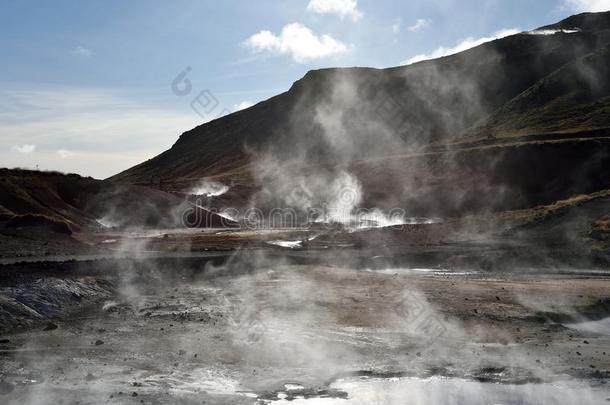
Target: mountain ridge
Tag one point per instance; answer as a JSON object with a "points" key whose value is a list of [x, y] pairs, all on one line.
{"points": [[335, 116]]}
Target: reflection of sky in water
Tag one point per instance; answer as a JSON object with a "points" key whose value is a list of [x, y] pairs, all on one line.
{"points": [[432, 272], [601, 327], [444, 391], [286, 243]]}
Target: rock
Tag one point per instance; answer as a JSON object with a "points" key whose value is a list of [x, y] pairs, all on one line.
{"points": [[99, 342], [90, 377], [50, 326], [4, 341]]}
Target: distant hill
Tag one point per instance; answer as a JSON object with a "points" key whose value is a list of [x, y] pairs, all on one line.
{"points": [[482, 129], [50, 199]]}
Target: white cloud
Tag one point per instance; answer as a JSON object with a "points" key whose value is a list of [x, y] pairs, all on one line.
{"points": [[396, 25], [297, 41], [96, 132], [586, 5], [82, 51], [26, 148], [243, 105], [87, 163], [342, 8], [419, 25], [64, 153], [551, 32], [461, 46]]}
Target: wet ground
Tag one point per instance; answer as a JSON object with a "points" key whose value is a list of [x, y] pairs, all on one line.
{"points": [[256, 330]]}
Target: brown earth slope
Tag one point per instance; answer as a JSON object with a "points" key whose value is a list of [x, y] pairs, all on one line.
{"points": [[89, 204], [547, 93]]}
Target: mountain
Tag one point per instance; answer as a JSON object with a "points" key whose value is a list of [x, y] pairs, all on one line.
{"points": [[573, 99], [510, 124]]}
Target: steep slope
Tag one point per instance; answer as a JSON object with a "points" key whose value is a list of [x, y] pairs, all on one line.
{"points": [[43, 198], [508, 125], [50, 194], [428, 102], [573, 99], [583, 21]]}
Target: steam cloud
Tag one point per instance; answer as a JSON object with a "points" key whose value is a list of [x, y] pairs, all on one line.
{"points": [[208, 188]]}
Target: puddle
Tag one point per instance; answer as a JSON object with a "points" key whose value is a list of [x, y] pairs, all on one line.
{"points": [[443, 391], [422, 271], [219, 382], [600, 327], [422, 221], [291, 244]]}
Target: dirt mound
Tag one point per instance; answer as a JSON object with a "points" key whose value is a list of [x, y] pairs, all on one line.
{"points": [[131, 206], [84, 203]]}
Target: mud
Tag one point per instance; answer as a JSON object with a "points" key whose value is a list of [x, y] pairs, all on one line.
{"points": [[255, 330]]}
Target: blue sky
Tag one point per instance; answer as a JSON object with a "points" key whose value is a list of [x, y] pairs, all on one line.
{"points": [[86, 86]]}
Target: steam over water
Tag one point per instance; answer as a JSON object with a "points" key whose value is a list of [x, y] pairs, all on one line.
{"points": [[255, 331], [447, 391]]}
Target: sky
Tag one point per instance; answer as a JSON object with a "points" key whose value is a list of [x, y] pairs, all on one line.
{"points": [[95, 87]]}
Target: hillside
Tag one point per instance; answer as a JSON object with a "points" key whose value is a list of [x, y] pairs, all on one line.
{"points": [[573, 99], [430, 102], [40, 199], [435, 130]]}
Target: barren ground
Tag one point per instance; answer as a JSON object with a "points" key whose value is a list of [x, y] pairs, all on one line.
{"points": [[238, 332]]}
